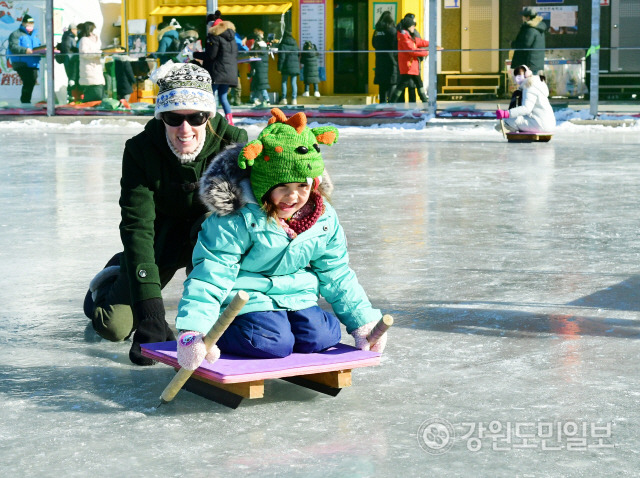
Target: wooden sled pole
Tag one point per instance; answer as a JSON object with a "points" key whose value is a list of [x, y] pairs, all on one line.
{"points": [[504, 133], [381, 327], [210, 339]]}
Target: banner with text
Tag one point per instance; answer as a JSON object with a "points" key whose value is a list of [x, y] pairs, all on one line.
{"points": [[312, 25], [11, 13]]}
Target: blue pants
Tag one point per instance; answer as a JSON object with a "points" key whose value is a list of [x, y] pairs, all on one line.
{"points": [[278, 333], [223, 90], [306, 87], [255, 95], [294, 86]]}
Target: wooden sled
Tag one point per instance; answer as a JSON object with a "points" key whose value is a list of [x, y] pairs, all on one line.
{"points": [[232, 378], [521, 137]]}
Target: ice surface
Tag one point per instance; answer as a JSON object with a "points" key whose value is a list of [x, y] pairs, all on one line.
{"points": [[511, 271]]}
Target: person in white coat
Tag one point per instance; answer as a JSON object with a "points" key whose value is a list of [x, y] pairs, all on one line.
{"points": [[91, 78], [535, 114]]}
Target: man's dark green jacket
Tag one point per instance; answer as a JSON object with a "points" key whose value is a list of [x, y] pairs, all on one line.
{"points": [[159, 202]]}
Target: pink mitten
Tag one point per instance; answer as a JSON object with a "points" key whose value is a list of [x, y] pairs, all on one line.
{"points": [[502, 114], [360, 336], [191, 350]]}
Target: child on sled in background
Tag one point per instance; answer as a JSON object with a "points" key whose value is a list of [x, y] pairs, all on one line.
{"points": [[534, 115], [274, 235]]}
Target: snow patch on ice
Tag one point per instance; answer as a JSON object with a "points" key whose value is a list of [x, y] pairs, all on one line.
{"points": [[101, 124], [567, 114]]}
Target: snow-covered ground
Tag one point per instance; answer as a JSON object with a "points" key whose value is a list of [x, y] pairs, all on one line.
{"points": [[512, 271]]}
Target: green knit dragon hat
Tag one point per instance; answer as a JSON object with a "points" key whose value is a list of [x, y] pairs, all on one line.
{"points": [[286, 151]]}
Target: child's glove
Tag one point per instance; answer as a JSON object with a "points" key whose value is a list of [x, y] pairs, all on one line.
{"points": [[360, 336], [191, 350], [502, 114]]}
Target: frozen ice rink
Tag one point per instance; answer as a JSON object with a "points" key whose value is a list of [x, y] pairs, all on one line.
{"points": [[512, 271]]}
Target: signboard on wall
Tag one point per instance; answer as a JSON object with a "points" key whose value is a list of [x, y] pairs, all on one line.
{"points": [[58, 27], [10, 21], [312, 25], [380, 8], [137, 27], [452, 3], [561, 19]]}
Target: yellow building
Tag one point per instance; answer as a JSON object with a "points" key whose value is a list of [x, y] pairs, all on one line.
{"points": [[333, 25]]}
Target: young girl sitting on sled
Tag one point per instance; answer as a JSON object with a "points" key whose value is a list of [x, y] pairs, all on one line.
{"points": [[533, 113], [273, 234]]}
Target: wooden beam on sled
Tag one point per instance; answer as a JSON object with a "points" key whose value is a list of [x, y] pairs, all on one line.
{"points": [[329, 383]]}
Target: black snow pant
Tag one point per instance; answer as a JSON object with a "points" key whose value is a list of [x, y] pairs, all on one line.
{"points": [[411, 82], [29, 77], [111, 313], [385, 90]]}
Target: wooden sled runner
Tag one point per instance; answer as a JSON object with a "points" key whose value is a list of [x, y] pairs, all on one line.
{"points": [[232, 378], [521, 137]]}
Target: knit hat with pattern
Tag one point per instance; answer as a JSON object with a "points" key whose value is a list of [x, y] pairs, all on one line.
{"points": [[286, 151], [183, 86]]}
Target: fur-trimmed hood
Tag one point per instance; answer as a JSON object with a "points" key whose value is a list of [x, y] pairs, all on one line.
{"points": [[222, 27], [225, 188], [538, 23]]}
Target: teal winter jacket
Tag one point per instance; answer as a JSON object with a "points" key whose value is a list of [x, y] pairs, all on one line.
{"points": [[239, 248]]}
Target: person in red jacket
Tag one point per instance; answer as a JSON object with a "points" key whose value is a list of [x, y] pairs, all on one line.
{"points": [[409, 51]]}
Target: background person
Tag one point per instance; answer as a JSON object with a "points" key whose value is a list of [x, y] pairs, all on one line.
{"points": [[91, 75], [259, 70], [386, 70], [169, 41], [410, 49], [529, 44], [309, 58], [220, 59], [235, 94], [125, 78], [22, 42], [69, 47], [160, 209], [289, 66], [411, 92]]}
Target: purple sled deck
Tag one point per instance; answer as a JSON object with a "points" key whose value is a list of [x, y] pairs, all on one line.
{"points": [[235, 369]]}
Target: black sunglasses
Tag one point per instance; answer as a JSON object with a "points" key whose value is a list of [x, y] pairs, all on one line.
{"points": [[194, 119]]}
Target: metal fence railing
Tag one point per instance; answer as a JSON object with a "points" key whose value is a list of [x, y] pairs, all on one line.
{"points": [[347, 78]]}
